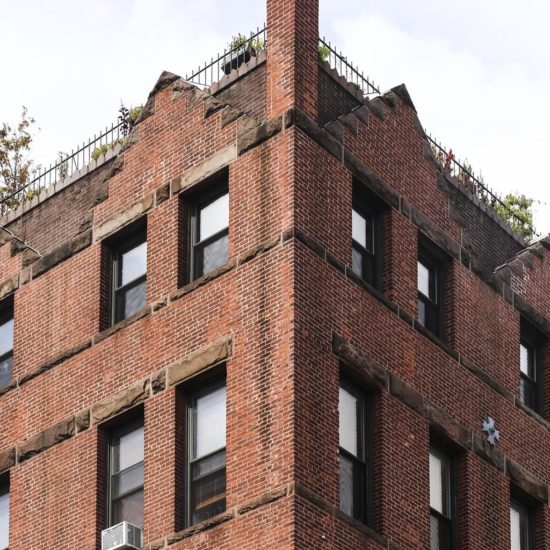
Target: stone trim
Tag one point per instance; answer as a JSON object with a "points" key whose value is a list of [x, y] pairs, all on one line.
{"points": [[113, 405], [198, 362], [375, 375], [62, 253], [262, 248], [293, 490], [317, 501], [9, 286], [204, 170], [376, 185], [175, 295], [122, 219], [412, 323]]}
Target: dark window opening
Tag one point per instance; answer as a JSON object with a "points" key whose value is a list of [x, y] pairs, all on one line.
{"points": [[206, 475], [366, 238], [6, 343], [430, 285], [125, 488], [442, 506], [128, 275], [529, 361], [354, 453], [209, 230]]}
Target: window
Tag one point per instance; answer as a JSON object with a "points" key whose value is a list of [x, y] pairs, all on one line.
{"points": [[521, 527], [441, 501], [353, 452], [366, 242], [529, 360], [126, 474], [6, 345], [4, 514], [429, 291], [129, 276], [206, 454], [210, 232]]}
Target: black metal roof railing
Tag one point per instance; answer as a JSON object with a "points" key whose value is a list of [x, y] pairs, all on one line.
{"points": [[65, 167], [245, 48], [462, 171], [338, 61]]}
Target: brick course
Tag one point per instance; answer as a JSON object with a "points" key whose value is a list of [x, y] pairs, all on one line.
{"points": [[282, 321]]}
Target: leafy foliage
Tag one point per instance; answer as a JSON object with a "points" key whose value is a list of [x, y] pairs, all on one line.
{"points": [[16, 166], [517, 211], [324, 53]]}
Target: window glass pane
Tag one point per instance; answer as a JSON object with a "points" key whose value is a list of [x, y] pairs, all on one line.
{"points": [[440, 482], [134, 299], [208, 496], [359, 228], [4, 517], [346, 485], [434, 533], [5, 371], [215, 255], [348, 422], [128, 449], [127, 480], [423, 279], [527, 392], [209, 423], [520, 536], [524, 359], [515, 529], [129, 508], [208, 465], [214, 217], [357, 262], [133, 264], [6, 337], [422, 312]]}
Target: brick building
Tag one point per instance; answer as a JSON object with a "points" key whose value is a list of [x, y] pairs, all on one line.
{"points": [[272, 319]]}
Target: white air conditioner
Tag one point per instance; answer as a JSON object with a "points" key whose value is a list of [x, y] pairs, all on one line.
{"points": [[123, 536]]}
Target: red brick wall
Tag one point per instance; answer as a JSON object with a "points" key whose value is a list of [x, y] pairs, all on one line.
{"points": [[287, 289]]}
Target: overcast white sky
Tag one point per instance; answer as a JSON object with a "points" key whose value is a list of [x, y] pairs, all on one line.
{"points": [[477, 70]]}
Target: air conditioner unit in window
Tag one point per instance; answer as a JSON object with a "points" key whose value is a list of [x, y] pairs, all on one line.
{"points": [[123, 536]]}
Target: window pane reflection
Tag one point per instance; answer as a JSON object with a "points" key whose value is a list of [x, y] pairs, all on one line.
{"points": [[134, 263], [214, 217]]}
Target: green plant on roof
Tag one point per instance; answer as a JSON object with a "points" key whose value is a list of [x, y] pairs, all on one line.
{"points": [[517, 211], [324, 53], [238, 41], [103, 149]]}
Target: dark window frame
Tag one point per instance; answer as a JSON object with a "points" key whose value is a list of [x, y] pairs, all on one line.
{"points": [[118, 246], [120, 427], [5, 489], [452, 486], [213, 189], [364, 487], [6, 315], [532, 340], [371, 209], [530, 532], [190, 395], [434, 262]]}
